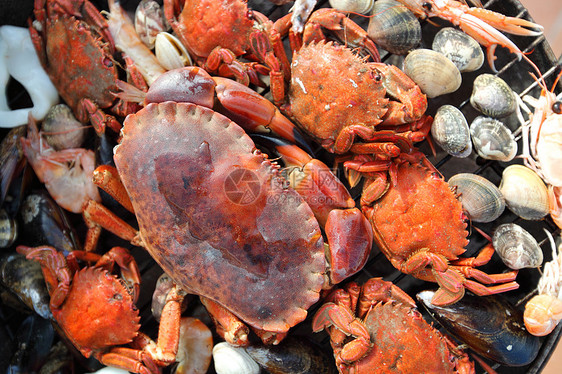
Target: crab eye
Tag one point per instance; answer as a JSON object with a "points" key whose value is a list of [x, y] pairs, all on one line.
{"points": [[427, 6], [557, 107], [378, 77]]}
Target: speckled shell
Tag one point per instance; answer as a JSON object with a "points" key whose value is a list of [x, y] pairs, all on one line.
{"points": [[393, 27], [492, 139], [8, 229], [492, 96], [525, 193], [450, 131], [62, 130], [434, 73], [516, 247], [149, 21], [460, 48], [480, 198], [355, 6]]}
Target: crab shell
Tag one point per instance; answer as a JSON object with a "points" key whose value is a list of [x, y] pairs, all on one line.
{"points": [[352, 96], [98, 312], [214, 213], [404, 343], [77, 58], [419, 212]]}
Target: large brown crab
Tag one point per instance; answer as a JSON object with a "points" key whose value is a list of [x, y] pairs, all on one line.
{"points": [[419, 225], [376, 328], [77, 51], [96, 310], [215, 213]]}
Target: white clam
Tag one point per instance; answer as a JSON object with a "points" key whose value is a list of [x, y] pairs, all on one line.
{"points": [[450, 131], [480, 198], [356, 6], [233, 360], [525, 193], [171, 54], [434, 73], [516, 247], [19, 60], [460, 48]]}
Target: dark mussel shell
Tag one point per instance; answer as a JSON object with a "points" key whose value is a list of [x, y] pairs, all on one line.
{"points": [[44, 222], [34, 339], [12, 158], [489, 325], [294, 355], [24, 279]]}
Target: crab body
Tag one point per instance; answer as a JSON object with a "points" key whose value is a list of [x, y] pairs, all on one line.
{"points": [[376, 328]]}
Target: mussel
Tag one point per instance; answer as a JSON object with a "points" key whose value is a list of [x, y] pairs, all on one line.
{"points": [[34, 339], [233, 360], [516, 247], [491, 326], [434, 73], [492, 139], [450, 131], [293, 355], [394, 27], [492, 96], [460, 48], [480, 198], [525, 193], [8, 229]]}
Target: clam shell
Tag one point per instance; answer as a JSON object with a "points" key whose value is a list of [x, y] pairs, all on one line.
{"points": [[170, 52], [450, 131], [460, 48], [516, 247], [355, 6], [393, 27], [480, 198], [233, 360], [492, 139], [62, 130], [149, 21], [434, 73], [525, 193], [8, 229], [492, 96]]}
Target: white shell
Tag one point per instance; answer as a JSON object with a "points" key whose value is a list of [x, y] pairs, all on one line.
{"points": [[516, 247], [492, 139], [460, 48], [170, 52], [233, 360], [355, 6], [394, 27], [525, 193], [480, 198], [434, 73], [492, 96], [149, 21], [450, 131]]}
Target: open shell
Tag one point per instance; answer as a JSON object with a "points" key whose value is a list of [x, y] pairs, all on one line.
{"points": [[525, 193], [480, 198], [450, 131], [492, 96], [460, 48], [516, 247], [149, 22], [492, 139], [394, 27], [434, 73]]}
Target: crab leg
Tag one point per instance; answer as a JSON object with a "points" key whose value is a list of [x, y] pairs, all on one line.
{"points": [[228, 325]]}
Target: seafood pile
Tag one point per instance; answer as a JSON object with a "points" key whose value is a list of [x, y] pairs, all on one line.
{"points": [[282, 186]]}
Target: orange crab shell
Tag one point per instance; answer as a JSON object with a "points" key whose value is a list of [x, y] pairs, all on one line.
{"points": [[217, 217], [98, 312], [420, 212], [354, 96]]}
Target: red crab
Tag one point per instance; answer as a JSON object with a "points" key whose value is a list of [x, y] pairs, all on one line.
{"points": [[96, 310], [338, 97], [376, 328], [217, 33], [419, 225], [214, 212], [76, 49]]}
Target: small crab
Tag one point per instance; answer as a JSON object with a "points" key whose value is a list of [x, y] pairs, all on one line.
{"points": [[376, 328], [419, 224], [77, 51], [215, 212], [96, 310]]}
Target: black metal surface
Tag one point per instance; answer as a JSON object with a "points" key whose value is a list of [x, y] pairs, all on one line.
{"points": [[515, 73]]}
